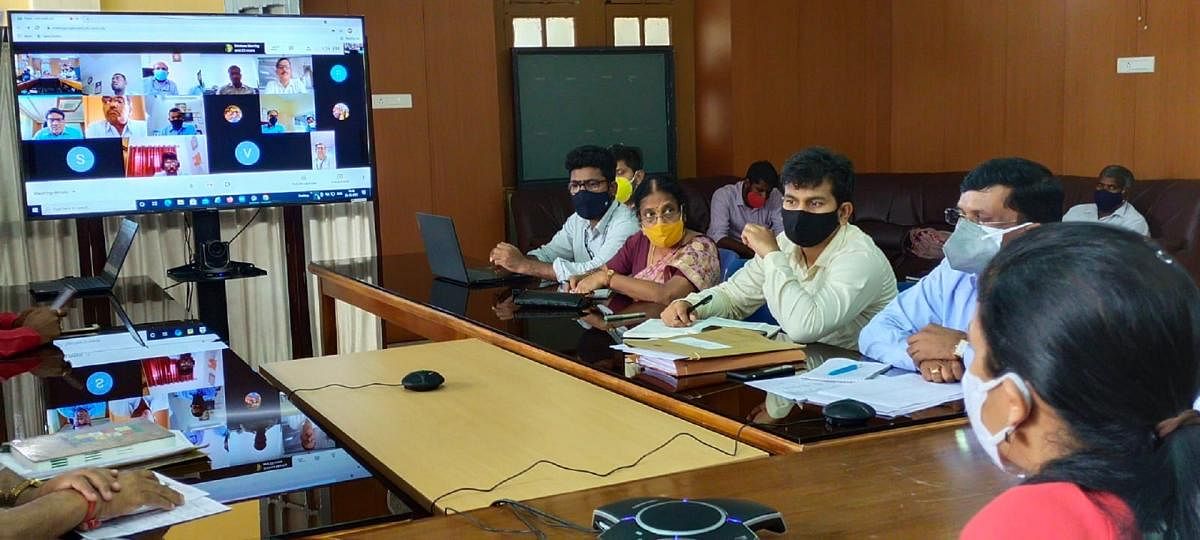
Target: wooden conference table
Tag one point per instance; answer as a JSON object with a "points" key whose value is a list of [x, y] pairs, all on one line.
{"points": [[496, 414], [400, 289], [920, 484]]}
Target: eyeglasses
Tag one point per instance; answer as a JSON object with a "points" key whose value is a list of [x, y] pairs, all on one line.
{"points": [[954, 214], [55, 119], [666, 215], [1111, 188], [594, 186]]}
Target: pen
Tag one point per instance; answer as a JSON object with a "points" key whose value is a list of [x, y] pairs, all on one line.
{"points": [[703, 301], [842, 370], [624, 317]]}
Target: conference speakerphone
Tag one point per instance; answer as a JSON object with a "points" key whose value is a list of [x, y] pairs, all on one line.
{"points": [[660, 517]]}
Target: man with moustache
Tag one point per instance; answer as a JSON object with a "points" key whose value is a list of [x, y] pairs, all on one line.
{"points": [[117, 121]]}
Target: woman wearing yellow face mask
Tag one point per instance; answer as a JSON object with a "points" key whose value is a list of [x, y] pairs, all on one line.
{"points": [[664, 261]]}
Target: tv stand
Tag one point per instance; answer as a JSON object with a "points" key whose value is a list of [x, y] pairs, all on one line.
{"points": [[210, 282]]}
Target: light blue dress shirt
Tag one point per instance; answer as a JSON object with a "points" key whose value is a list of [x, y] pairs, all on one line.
{"points": [[945, 297]]}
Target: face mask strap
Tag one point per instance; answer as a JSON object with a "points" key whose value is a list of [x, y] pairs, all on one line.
{"points": [[1022, 388]]}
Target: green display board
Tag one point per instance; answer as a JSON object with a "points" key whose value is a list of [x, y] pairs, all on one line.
{"points": [[571, 97]]}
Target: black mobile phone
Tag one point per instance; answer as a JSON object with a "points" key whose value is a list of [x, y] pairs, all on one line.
{"points": [[761, 373]]}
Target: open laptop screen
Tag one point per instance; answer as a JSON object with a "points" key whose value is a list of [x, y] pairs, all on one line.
{"points": [[188, 380], [120, 248]]}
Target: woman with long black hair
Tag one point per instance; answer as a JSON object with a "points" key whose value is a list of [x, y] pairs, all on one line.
{"points": [[1085, 373]]}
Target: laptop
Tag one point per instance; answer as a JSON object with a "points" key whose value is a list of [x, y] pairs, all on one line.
{"points": [[126, 321], [93, 285], [445, 254]]}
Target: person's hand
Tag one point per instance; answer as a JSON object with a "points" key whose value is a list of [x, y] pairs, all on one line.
{"points": [[507, 256], [94, 484], [591, 282], [678, 314], [138, 489], [43, 320], [941, 371], [934, 342], [595, 319], [504, 309], [760, 239], [51, 362]]}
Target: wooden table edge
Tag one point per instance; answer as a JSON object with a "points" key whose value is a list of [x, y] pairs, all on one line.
{"points": [[333, 284]]}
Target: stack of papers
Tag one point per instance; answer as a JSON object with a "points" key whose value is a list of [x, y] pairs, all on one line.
{"points": [[196, 505], [656, 329], [891, 396]]}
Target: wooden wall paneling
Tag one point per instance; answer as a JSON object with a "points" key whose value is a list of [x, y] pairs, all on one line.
{"points": [[683, 38], [1165, 131], [843, 70], [714, 88], [920, 77], [396, 39], [464, 120], [974, 100], [766, 81], [1098, 104], [1034, 80]]}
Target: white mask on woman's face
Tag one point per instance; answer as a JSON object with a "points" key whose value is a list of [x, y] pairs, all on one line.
{"points": [[975, 393]]}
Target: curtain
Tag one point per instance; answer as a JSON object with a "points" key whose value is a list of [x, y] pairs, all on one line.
{"points": [[147, 160]]}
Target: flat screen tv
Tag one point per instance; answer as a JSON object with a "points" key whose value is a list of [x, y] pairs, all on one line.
{"points": [[568, 97], [136, 113]]}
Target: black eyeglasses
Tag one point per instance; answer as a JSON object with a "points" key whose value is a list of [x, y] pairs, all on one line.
{"points": [[594, 186], [954, 214]]}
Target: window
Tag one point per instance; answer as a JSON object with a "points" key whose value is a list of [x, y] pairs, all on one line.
{"points": [[635, 31], [543, 31]]}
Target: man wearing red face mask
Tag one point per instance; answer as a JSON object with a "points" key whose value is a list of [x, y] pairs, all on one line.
{"points": [[756, 199]]}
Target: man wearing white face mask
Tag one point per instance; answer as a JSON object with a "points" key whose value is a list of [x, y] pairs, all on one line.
{"points": [[924, 328], [1086, 389]]}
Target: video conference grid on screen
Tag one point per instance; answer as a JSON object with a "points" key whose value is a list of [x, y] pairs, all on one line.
{"points": [[183, 382], [245, 111]]}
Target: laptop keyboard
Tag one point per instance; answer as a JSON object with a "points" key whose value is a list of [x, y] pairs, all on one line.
{"points": [[86, 283], [479, 274]]}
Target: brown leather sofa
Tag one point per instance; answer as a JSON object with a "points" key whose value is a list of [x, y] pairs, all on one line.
{"points": [[888, 205]]}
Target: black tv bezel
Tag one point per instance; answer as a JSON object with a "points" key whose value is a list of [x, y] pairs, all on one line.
{"points": [[16, 123], [668, 54]]}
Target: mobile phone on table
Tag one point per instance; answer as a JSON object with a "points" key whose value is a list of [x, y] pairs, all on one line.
{"points": [[761, 373]]}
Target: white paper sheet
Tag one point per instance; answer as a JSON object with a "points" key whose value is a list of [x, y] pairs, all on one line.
{"points": [[196, 505], [862, 370]]}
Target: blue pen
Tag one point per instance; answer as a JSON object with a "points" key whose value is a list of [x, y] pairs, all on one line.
{"points": [[842, 370]]}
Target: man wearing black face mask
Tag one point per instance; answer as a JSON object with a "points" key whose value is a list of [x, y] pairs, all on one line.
{"points": [[822, 279], [1111, 207], [591, 236], [924, 329], [177, 126]]}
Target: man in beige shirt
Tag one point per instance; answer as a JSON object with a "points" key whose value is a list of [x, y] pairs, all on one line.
{"points": [[822, 279]]}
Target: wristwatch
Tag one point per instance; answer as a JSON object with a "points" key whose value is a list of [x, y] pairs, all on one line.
{"points": [[9, 499], [960, 350]]}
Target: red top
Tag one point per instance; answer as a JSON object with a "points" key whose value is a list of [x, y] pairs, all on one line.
{"points": [[1058, 510], [15, 341]]}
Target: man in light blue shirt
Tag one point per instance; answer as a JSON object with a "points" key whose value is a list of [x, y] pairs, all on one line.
{"points": [[273, 125], [56, 127], [177, 127], [924, 328], [159, 84], [591, 236]]}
